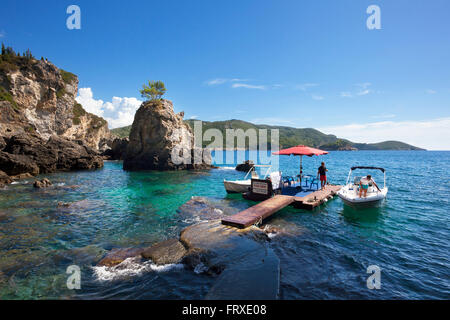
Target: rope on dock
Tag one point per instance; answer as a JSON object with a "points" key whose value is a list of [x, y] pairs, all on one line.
{"points": [[258, 222]]}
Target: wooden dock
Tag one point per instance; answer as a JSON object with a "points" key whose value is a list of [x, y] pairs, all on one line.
{"points": [[258, 212], [316, 198], [265, 209]]}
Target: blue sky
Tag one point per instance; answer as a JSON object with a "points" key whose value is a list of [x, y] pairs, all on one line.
{"points": [[295, 63]]}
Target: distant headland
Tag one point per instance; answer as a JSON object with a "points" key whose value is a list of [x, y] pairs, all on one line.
{"points": [[290, 136]]}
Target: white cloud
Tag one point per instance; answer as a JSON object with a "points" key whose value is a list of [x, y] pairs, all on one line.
{"points": [[431, 91], [316, 97], [218, 81], [2, 33], [363, 92], [346, 94], [306, 86], [86, 99], [248, 86], [363, 89], [118, 112], [384, 116], [430, 134]]}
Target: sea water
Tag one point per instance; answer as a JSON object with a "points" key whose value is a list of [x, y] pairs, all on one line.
{"points": [[324, 254]]}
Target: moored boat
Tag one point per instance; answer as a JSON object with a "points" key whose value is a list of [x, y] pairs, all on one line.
{"points": [[241, 186], [350, 193]]}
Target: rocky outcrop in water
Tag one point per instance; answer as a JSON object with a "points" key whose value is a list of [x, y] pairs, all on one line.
{"points": [[29, 155], [160, 140], [44, 183], [117, 149], [4, 179], [166, 252]]}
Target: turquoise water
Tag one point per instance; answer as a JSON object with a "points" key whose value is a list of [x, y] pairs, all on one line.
{"points": [[325, 257]]}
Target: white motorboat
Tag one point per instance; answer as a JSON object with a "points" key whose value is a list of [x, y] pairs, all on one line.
{"points": [[241, 186], [350, 192]]}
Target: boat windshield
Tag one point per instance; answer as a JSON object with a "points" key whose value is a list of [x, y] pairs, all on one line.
{"points": [[259, 171]]}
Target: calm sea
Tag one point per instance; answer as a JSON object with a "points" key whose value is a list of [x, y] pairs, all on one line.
{"points": [[408, 237]]}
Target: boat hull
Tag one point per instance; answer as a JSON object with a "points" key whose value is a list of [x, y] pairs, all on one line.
{"points": [[351, 198], [238, 186]]}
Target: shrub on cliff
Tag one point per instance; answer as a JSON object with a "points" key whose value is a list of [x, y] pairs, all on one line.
{"points": [[154, 91]]}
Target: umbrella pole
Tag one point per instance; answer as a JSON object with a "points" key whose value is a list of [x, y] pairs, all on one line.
{"points": [[301, 170]]}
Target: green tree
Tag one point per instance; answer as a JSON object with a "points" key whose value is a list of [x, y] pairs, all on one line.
{"points": [[153, 91]]}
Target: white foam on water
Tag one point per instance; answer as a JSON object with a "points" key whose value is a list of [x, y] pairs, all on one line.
{"points": [[131, 267], [226, 168], [14, 182], [272, 235], [60, 184], [193, 220], [200, 268]]}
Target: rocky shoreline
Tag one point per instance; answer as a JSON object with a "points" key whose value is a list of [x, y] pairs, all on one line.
{"points": [[226, 253]]}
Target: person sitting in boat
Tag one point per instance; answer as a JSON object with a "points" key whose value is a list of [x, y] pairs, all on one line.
{"points": [[364, 185], [322, 172]]}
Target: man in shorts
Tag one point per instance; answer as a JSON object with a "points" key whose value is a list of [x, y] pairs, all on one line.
{"points": [[322, 172]]}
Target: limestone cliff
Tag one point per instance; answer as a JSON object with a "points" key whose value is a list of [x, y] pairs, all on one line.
{"points": [[42, 128], [36, 96], [160, 140]]}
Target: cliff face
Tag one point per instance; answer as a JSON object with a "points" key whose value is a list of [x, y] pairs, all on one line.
{"points": [[38, 97], [42, 128], [160, 140]]}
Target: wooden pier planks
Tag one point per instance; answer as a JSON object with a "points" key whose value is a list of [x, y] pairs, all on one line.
{"points": [[316, 198], [258, 212], [268, 207]]}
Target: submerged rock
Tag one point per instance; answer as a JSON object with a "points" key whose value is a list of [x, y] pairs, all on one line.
{"points": [[200, 208], [157, 136], [44, 183], [116, 256], [256, 278], [166, 252], [215, 245]]}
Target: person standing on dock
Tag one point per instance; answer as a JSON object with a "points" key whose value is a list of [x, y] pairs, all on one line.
{"points": [[322, 172]]}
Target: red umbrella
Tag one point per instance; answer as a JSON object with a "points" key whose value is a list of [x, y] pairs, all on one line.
{"points": [[301, 151]]}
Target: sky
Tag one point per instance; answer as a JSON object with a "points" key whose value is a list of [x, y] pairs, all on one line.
{"points": [[296, 63]]}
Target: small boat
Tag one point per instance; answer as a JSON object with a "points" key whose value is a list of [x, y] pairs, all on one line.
{"points": [[241, 186], [350, 192]]}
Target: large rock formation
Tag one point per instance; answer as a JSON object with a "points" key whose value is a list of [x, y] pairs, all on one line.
{"points": [[117, 149], [42, 127], [29, 154], [37, 97], [160, 140]]}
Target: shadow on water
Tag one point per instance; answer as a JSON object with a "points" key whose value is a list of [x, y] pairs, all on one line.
{"points": [[361, 215]]}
